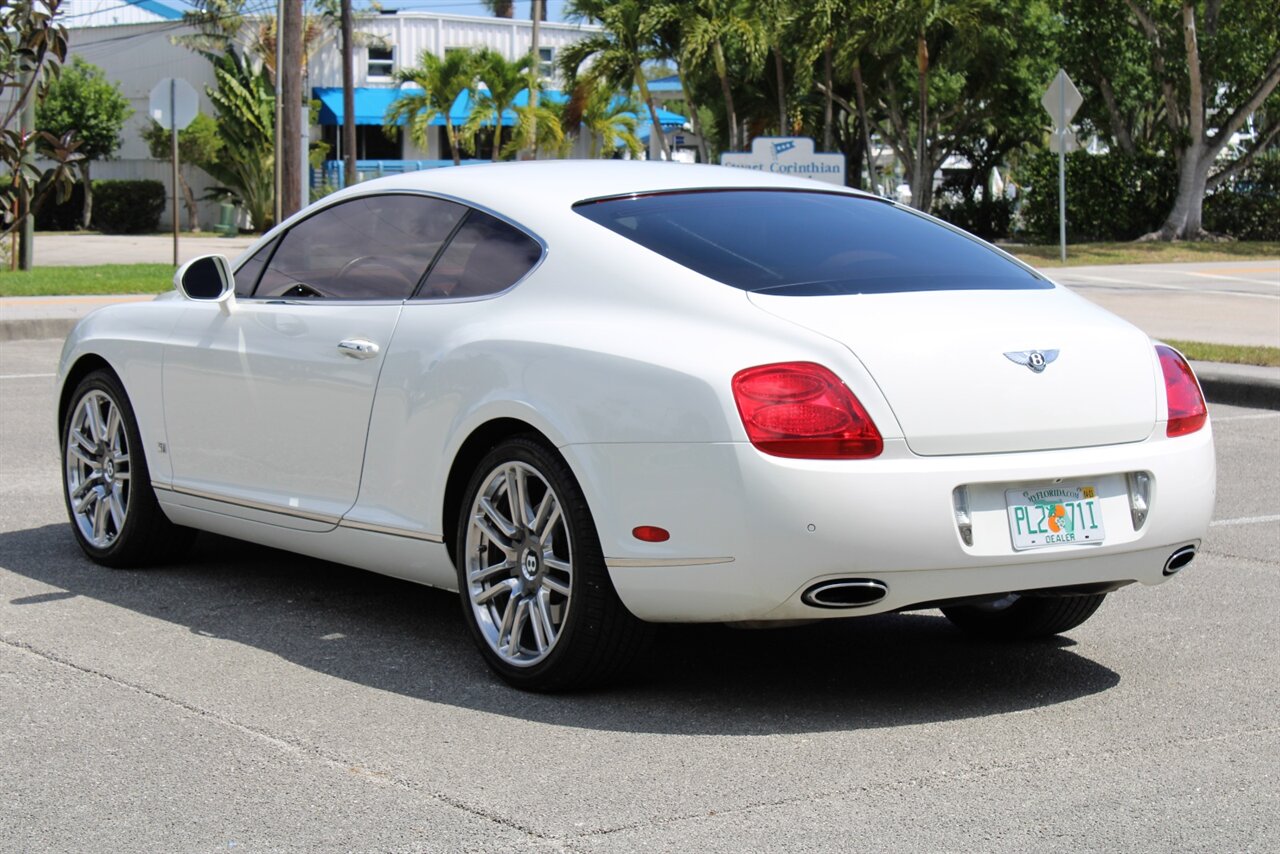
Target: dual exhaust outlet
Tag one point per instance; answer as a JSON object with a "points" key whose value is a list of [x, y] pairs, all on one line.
{"points": [[861, 592]]}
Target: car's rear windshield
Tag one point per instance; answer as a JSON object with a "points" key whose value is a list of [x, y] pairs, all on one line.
{"points": [[803, 243]]}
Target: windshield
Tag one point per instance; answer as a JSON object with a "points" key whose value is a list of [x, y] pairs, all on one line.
{"points": [[803, 243]]}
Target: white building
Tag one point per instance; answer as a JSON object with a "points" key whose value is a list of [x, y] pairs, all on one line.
{"points": [[133, 43]]}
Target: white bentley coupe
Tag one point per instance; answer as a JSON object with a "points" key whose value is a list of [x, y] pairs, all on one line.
{"points": [[592, 396]]}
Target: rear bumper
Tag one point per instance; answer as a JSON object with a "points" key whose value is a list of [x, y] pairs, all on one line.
{"points": [[750, 533]]}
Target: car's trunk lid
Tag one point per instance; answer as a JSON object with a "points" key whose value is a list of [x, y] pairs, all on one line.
{"points": [[939, 357]]}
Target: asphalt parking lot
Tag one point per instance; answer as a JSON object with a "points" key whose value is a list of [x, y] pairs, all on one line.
{"points": [[250, 700]]}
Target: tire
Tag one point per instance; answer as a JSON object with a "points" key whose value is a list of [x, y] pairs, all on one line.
{"points": [[535, 592], [1024, 617], [106, 484]]}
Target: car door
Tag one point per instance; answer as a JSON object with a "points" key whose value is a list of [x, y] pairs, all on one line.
{"points": [[267, 405]]}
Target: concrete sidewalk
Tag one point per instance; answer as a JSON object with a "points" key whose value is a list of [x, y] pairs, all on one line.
{"points": [[73, 250]]}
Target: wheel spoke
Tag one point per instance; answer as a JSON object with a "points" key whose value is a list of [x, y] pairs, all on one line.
{"points": [[99, 519], [537, 622], [485, 596], [550, 526], [544, 615], [117, 511], [507, 527], [540, 515], [516, 486], [555, 563], [97, 425], [78, 451], [517, 627], [483, 574], [495, 536], [555, 585], [82, 506], [84, 485], [113, 426], [81, 441]]}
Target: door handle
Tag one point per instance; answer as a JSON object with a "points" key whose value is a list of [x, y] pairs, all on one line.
{"points": [[357, 348]]}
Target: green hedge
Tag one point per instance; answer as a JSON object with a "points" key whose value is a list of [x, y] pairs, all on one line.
{"points": [[127, 207], [989, 219], [1110, 197], [1248, 208]]}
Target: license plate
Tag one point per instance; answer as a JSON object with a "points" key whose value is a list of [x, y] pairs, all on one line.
{"points": [[1054, 515]]}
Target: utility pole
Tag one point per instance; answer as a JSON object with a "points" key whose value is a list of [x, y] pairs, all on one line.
{"points": [[279, 151], [536, 57], [289, 138], [348, 97]]}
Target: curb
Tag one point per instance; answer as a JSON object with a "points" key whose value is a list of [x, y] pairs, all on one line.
{"points": [[1239, 385], [26, 328]]}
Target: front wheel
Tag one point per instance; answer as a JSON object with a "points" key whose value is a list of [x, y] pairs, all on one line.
{"points": [[106, 484], [1016, 617], [535, 591]]}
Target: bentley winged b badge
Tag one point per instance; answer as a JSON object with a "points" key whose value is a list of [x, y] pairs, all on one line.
{"points": [[1036, 360]]}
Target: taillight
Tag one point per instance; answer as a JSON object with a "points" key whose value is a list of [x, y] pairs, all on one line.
{"points": [[1187, 411], [799, 409]]}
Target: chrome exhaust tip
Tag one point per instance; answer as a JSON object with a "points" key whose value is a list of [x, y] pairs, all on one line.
{"points": [[845, 593], [1179, 559]]}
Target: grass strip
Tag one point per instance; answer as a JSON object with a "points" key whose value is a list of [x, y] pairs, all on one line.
{"points": [[1232, 354], [1095, 254], [98, 279]]}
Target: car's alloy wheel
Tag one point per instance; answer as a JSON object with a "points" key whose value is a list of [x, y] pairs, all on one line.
{"points": [[519, 560], [106, 482], [535, 591], [97, 468]]}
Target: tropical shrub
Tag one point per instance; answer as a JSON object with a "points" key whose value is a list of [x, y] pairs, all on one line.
{"points": [[1248, 207], [1110, 197]]}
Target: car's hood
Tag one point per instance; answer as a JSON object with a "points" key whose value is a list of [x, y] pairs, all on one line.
{"points": [[952, 365]]}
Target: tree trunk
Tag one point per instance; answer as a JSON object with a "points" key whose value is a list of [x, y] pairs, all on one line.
{"points": [[189, 199], [860, 95], [782, 92], [731, 115], [653, 115], [703, 151], [86, 212], [923, 184], [289, 148], [828, 108], [497, 137], [452, 135], [1184, 221]]}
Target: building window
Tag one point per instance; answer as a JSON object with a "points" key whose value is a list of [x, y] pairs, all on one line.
{"points": [[546, 62], [382, 62]]}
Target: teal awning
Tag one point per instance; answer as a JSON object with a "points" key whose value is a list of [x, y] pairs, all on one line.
{"points": [[372, 104]]}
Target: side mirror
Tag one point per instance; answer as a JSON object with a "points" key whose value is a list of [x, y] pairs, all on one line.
{"points": [[206, 279]]}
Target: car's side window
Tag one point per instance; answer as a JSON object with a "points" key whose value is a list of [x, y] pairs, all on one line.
{"points": [[370, 248], [486, 256], [247, 275]]}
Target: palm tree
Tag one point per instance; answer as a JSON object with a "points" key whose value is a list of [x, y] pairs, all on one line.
{"points": [[618, 53], [611, 121], [538, 126], [504, 81], [707, 27], [441, 81]]}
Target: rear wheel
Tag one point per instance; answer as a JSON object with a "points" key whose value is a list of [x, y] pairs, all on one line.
{"points": [[535, 592], [1018, 617], [106, 484]]}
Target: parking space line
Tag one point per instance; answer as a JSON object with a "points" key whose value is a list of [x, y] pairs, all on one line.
{"points": [[25, 376], [1234, 278], [1253, 417], [1245, 520]]}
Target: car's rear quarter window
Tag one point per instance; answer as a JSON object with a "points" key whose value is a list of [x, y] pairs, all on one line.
{"points": [[802, 243]]}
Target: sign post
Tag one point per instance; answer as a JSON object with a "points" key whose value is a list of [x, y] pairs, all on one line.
{"points": [[174, 106], [1061, 101]]}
